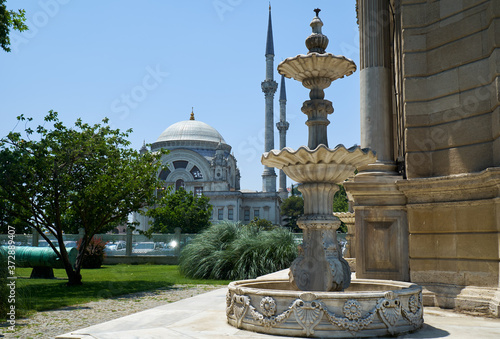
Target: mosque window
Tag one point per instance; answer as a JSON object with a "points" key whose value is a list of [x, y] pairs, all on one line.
{"points": [[256, 213], [198, 191], [179, 183], [230, 214], [195, 171], [164, 174], [246, 215], [180, 164], [220, 214]]}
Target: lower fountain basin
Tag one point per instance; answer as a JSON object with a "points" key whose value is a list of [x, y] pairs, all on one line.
{"points": [[368, 308]]}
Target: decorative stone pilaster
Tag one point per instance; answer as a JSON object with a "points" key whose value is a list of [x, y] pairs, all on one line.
{"points": [[376, 82], [379, 206]]}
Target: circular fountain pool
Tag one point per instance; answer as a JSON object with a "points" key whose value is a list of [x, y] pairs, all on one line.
{"points": [[368, 308]]}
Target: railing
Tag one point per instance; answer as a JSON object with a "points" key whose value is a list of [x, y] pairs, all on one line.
{"points": [[131, 248]]}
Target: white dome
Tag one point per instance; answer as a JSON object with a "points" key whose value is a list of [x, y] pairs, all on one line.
{"points": [[192, 130], [191, 134]]}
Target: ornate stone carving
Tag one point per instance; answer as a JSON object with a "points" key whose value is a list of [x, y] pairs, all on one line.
{"points": [[309, 310], [269, 87], [268, 306], [389, 310]]}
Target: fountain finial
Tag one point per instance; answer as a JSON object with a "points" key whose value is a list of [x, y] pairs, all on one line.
{"points": [[317, 41]]}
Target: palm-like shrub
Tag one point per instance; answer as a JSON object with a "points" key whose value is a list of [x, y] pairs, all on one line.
{"points": [[233, 251]]}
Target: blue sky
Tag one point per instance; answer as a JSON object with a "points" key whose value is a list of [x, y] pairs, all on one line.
{"points": [[144, 64]]}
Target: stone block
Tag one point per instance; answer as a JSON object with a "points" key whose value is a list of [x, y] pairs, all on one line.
{"points": [[413, 14], [476, 217], [465, 159], [433, 246], [431, 218], [473, 75], [418, 164], [435, 86], [478, 246], [414, 41], [455, 53], [415, 64], [496, 152], [452, 134], [450, 7]]}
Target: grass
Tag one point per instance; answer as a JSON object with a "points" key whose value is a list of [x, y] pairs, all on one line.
{"points": [[106, 282]]}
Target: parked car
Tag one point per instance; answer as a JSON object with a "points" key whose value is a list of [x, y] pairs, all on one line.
{"points": [[145, 247], [117, 246]]}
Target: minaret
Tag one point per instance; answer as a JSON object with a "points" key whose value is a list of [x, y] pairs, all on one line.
{"points": [[282, 126], [269, 87]]}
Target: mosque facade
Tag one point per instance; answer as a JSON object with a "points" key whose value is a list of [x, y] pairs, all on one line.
{"points": [[200, 161]]}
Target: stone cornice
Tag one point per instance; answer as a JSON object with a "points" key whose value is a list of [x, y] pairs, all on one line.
{"points": [[454, 188]]}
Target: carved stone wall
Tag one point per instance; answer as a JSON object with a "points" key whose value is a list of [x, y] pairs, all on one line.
{"points": [[450, 73]]}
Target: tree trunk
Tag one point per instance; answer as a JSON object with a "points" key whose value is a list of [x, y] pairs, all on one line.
{"points": [[74, 278]]}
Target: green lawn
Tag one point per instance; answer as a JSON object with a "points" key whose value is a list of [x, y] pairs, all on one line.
{"points": [[108, 281]]}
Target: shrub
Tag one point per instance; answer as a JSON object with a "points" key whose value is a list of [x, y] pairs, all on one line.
{"points": [[94, 253], [232, 251]]}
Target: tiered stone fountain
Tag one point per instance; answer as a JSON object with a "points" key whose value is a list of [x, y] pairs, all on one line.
{"points": [[319, 299]]}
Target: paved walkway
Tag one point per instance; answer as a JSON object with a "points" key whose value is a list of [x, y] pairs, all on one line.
{"points": [[204, 316]]}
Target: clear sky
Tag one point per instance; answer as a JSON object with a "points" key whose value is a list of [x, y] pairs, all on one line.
{"points": [[144, 64]]}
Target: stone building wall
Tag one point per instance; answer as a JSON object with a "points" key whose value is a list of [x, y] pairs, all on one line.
{"points": [[449, 71], [437, 216], [451, 64]]}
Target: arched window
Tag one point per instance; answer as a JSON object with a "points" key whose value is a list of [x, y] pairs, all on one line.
{"points": [[179, 183], [164, 174], [195, 171]]}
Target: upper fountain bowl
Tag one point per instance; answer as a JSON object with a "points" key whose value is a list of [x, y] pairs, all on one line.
{"points": [[303, 67], [319, 165]]}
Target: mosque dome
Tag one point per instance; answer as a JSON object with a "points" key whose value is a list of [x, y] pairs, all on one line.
{"points": [[192, 134]]}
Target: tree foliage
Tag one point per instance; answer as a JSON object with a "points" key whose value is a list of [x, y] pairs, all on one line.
{"points": [[8, 218], [341, 204], [10, 20], [83, 175], [292, 208], [262, 224], [180, 209]]}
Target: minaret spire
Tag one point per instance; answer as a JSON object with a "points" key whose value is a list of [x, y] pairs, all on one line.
{"points": [[282, 126], [269, 87]]}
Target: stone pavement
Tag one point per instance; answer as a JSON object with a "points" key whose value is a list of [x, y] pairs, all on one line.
{"points": [[204, 316]]}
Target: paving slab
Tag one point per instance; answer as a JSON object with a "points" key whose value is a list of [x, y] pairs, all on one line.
{"points": [[204, 317]]}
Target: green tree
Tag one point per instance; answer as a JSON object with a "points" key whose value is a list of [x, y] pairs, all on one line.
{"points": [[262, 224], [341, 204], [180, 209], [292, 208], [8, 218], [340, 201], [10, 20], [85, 175]]}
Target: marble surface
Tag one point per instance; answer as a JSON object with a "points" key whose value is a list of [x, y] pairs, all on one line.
{"points": [[203, 316]]}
